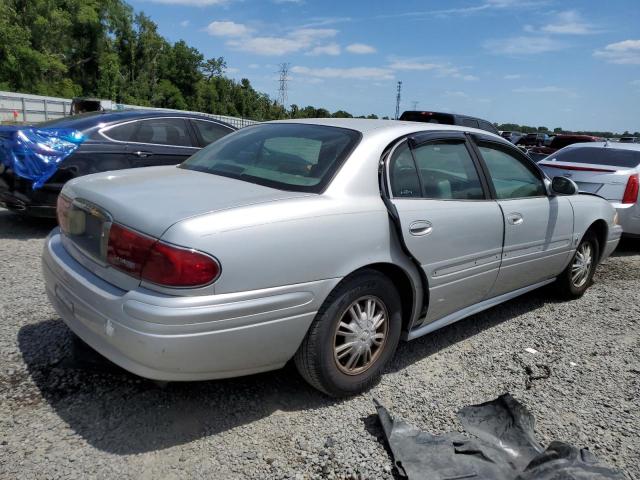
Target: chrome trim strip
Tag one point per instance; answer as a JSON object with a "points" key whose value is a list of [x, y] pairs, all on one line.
{"points": [[106, 129], [471, 310]]}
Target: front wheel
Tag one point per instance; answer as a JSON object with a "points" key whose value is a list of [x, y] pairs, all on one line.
{"points": [[576, 278], [353, 336]]}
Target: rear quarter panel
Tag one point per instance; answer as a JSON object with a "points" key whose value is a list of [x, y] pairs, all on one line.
{"points": [[588, 209]]}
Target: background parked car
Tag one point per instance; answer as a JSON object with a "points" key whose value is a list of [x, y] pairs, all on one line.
{"points": [[537, 153], [629, 140], [533, 140], [513, 137], [610, 170], [448, 119], [36, 161]]}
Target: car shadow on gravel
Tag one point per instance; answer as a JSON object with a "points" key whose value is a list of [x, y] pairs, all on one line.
{"points": [[121, 413], [19, 227], [628, 247]]}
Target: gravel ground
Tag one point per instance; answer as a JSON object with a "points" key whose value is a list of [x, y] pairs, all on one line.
{"points": [[64, 417]]}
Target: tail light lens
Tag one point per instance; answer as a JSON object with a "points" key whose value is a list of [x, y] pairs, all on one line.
{"points": [[631, 192], [160, 263]]}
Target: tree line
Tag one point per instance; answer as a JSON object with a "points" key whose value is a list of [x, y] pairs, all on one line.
{"points": [[102, 48], [514, 127]]}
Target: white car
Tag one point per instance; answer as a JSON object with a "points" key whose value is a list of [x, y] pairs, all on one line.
{"points": [[610, 170]]}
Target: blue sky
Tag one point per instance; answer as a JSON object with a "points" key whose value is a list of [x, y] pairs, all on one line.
{"points": [[559, 63]]}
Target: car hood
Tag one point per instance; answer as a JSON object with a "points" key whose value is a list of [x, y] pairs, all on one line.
{"points": [[152, 199]]}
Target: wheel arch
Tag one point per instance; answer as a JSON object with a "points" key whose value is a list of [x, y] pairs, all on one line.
{"points": [[601, 230], [413, 295]]}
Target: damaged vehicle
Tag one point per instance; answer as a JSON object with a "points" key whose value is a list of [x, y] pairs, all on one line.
{"points": [[36, 161], [325, 241]]}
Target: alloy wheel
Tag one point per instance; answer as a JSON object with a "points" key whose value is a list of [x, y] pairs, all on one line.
{"points": [[581, 267]]}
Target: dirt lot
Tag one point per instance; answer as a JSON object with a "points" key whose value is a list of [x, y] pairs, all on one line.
{"points": [[61, 417]]}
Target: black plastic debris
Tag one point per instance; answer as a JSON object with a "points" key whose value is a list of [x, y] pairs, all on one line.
{"points": [[502, 447]]}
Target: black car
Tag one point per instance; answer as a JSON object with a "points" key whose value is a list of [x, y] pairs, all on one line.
{"points": [[36, 160], [449, 119]]}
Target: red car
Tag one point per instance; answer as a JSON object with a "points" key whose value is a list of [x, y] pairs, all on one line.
{"points": [[558, 142]]}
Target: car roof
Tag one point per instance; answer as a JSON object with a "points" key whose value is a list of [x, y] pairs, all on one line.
{"points": [[368, 126], [89, 120], [607, 145]]}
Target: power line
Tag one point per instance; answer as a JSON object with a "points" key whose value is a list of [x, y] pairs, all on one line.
{"points": [[282, 82], [398, 100]]}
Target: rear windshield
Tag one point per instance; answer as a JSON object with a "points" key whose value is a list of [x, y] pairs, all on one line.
{"points": [[561, 142], [286, 156], [598, 156], [428, 117], [73, 121]]}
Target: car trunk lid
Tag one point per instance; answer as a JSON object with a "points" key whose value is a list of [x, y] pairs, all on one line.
{"points": [[147, 200], [607, 181]]}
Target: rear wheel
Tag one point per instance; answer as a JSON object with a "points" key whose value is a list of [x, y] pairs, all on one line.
{"points": [[576, 278], [353, 336]]}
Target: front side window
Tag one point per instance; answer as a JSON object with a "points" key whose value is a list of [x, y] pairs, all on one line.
{"points": [[290, 156], [511, 177], [161, 131], [209, 132]]}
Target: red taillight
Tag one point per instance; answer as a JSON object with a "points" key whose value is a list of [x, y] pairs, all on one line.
{"points": [[128, 250], [631, 192], [63, 205], [151, 260], [179, 267]]}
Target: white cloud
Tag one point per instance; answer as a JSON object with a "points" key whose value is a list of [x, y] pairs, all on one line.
{"points": [[546, 89], [266, 45], [360, 48], [443, 70], [329, 49], [295, 41], [227, 29], [362, 73], [287, 1], [486, 6], [184, 23], [569, 23], [523, 45], [232, 70], [457, 94], [626, 52], [194, 3], [635, 83], [254, 65], [512, 76]]}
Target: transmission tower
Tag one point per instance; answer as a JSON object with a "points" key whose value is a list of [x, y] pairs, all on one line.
{"points": [[414, 105], [282, 88], [398, 100]]}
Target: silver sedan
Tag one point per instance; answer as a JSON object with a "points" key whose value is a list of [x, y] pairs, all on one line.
{"points": [[609, 170], [326, 241]]}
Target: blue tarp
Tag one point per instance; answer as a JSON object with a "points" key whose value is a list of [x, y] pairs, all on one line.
{"points": [[35, 154]]}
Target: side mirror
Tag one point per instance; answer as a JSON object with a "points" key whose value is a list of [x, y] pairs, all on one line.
{"points": [[563, 186]]}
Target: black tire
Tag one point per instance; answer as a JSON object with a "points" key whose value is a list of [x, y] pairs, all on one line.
{"points": [[316, 359], [567, 286]]}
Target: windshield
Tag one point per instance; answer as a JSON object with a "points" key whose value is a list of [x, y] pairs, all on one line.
{"points": [[286, 156], [598, 156]]}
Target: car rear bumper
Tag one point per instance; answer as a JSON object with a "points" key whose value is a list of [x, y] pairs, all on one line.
{"points": [[181, 338], [629, 217]]}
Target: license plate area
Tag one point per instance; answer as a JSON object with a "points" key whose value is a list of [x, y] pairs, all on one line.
{"points": [[88, 228]]}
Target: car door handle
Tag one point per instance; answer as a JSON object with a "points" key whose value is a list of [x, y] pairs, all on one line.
{"points": [[420, 228], [515, 219], [142, 154]]}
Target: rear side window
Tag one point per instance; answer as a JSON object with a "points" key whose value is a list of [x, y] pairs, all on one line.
{"points": [[287, 156], [160, 131], [209, 132], [511, 177], [598, 156], [446, 172]]}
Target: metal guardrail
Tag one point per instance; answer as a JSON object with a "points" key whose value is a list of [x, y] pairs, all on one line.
{"points": [[26, 108]]}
